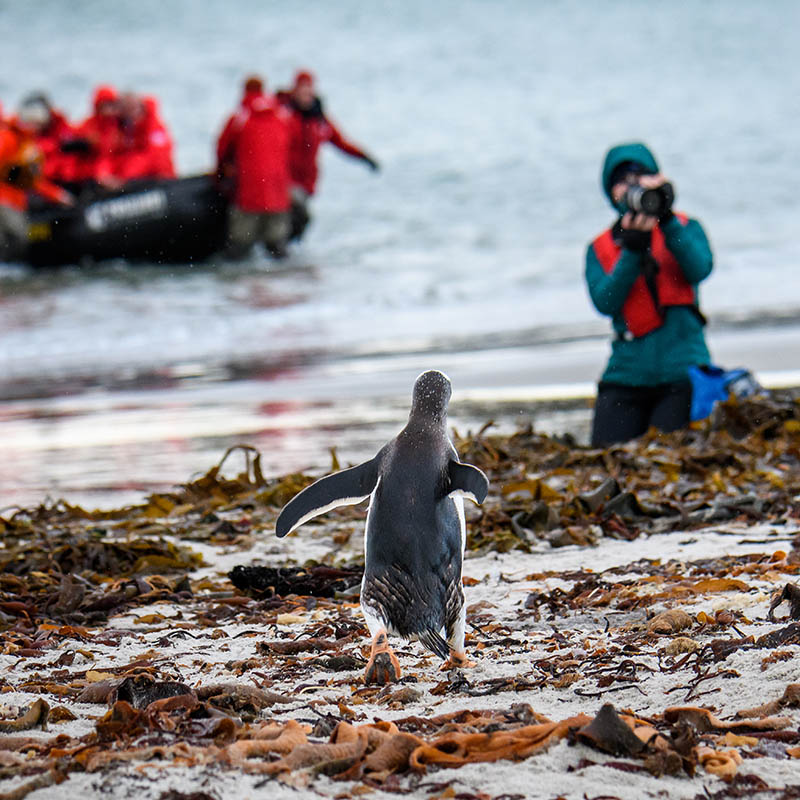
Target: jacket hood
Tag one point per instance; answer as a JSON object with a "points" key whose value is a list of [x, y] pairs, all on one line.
{"points": [[250, 98], [633, 151], [261, 104], [104, 94], [303, 76]]}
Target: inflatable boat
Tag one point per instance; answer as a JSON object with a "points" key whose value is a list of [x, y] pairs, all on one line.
{"points": [[163, 221]]}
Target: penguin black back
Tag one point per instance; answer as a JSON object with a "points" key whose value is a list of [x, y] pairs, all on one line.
{"points": [[415, 532]]}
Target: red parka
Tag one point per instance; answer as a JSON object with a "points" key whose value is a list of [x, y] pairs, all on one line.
{"points": [[308, 129], [225, 154], [11, 195], [145, 149], [58, 166], [255, 142], [104, 136]]}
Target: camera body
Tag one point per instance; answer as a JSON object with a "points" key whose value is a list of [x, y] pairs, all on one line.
{"points": [[653, 202]]}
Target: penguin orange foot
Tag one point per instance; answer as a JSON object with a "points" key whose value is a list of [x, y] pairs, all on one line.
{"points": [[383, 666], [457, 661]]}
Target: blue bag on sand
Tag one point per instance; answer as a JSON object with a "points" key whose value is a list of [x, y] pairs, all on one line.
{"points": [[711, 384]]}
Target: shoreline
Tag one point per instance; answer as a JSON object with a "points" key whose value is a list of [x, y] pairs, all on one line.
{"points": [[80, 462], [101, 445], [557, 359], [108, 450]]}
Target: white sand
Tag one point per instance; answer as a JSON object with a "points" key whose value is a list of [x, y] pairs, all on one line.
{"points": [[503, 587]]}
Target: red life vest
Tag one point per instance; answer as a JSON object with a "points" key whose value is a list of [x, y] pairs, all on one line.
{"points": [[639, 309]]}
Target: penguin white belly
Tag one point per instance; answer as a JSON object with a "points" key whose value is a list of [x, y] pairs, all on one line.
{"points": [[458, 502]]}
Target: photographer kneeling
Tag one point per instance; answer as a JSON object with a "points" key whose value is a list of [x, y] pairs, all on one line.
{"points": [[643, 273]]}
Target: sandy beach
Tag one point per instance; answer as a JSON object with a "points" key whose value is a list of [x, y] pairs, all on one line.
{"points": [[498, 597], [677, 622]]}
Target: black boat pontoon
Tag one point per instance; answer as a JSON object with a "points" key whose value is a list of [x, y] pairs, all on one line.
{"points": [[174, 221]]}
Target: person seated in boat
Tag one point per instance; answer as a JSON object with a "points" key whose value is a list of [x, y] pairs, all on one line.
{"points": [[101, 134], [253, 152], [309, 127], [54, 135], [643, 272], [21, 163], [145, 146]]}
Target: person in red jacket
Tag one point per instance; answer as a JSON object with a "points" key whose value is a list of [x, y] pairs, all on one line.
{"points": [[308, 129], [13, 224], [20, 175], [103, 137], [145, 146], [52, 133], [252, 89], [254, 150]]}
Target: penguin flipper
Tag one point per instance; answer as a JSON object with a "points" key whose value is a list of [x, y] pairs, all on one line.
{"points": [[468, 480], [348, 487]]}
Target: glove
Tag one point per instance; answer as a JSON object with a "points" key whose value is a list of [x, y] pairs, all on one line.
{"points": [[77, 145], [666, 217], [372, 163], [668, 192], [635, 240]]}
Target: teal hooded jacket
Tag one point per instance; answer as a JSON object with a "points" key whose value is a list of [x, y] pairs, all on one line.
{"points": [[665, 354]]}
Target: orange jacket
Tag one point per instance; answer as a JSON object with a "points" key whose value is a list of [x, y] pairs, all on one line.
{"points": [[21, 171], [11, 196]]}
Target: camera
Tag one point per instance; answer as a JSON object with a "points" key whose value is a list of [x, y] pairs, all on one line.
{"points": [[654, 202]]}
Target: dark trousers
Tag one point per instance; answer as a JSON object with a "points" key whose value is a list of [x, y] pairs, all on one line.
{"points": [[299, 214], [624, 412]]}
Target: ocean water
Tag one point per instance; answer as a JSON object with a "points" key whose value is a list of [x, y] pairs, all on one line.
{"points": [[490, 121]]}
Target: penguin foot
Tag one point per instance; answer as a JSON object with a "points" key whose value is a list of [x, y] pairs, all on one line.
{"points": [[382, 669], [456, 661], [383, 666]]}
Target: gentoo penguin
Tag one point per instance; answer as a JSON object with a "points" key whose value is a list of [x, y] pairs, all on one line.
{"points": [[415, 533]]}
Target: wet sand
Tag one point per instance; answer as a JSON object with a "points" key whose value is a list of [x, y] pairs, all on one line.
{"points": [[104, 447]]}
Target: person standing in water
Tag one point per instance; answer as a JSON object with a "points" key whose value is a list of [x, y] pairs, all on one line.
{"points": [[309, 127], [253, 150]]}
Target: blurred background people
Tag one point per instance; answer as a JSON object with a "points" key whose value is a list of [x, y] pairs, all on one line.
{"points": [[145, 146], [103, 137], [252, 88], [53, 134], [643, 272], [308, 129], [253, 154], [124, 139], [21, 175]]}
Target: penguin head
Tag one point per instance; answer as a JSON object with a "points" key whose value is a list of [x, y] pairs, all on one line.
{"points": [[432, 392]]}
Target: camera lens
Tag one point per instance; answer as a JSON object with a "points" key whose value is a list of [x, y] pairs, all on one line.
{"points": [[633, 196], [653, 202]]}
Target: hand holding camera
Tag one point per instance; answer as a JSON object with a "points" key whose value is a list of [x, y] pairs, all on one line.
{"points": [[650, 195]]}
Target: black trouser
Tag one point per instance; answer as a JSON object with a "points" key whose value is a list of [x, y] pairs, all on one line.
{"points": [[625, 412], [299, 217]]}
